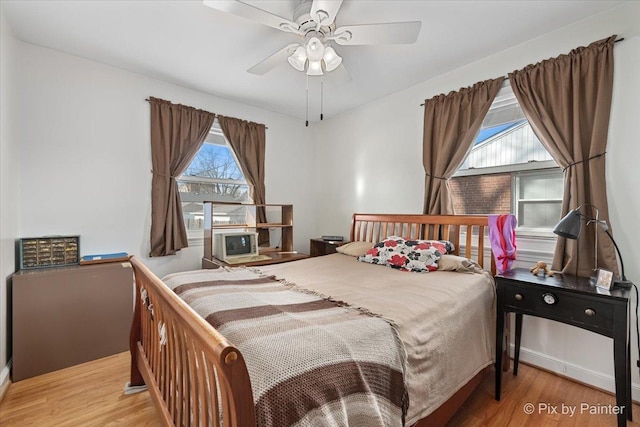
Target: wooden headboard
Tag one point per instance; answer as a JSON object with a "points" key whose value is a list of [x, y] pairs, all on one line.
{"points": [[472, 228]]}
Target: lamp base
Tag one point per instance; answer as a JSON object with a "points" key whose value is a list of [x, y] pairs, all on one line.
{"points": [[616, 283], [623, 284]]}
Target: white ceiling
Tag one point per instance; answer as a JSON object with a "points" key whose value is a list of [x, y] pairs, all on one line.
{"points": [[186, 43]]}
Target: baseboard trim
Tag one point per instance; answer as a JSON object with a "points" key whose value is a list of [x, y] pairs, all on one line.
{"points": [[574, 372], [5, 380]]}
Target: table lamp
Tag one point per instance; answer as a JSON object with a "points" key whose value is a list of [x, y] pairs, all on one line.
{"points": [[570, 227]]}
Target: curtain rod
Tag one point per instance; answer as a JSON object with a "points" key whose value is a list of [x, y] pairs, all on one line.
{"points": [[506, 77], [148, 100]]}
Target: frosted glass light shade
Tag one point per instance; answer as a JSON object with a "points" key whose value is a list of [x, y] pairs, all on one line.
{"points": [[315, 49], [315, 68], [298, 58], [331, 59]]}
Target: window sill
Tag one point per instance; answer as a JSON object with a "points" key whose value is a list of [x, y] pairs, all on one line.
{"points": [[195, 241], [538, 234]]}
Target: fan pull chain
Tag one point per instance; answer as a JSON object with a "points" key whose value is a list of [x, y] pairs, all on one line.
{"points": [[321, 98], [307, 106]]}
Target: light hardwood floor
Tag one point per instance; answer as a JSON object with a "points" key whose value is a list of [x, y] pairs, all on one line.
{"points": [[548, 393], [91, 394]]}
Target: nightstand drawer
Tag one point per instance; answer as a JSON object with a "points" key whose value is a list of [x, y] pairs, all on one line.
{"points": [[563, 306]]}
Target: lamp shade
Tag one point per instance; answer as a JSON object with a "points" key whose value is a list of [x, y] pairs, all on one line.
{"points": [[331, 59], [315, 68], [569, 226], [315, 49], [298, 59]]}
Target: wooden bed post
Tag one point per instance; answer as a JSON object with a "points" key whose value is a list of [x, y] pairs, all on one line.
{"points": [[136, 379]]}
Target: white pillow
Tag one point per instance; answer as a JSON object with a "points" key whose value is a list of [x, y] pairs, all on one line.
{"points": [[456, 263], [354, 248]]}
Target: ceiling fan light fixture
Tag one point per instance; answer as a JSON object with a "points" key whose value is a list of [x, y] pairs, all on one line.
{"points": [[331, 59], [315, 68], [315, 49], [310, 58], [298, 59]]}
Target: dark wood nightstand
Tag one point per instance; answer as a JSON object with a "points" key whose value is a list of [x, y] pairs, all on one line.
{"points": [[318, 247], [574, 301]]}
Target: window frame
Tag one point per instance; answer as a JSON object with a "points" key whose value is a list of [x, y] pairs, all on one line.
{"points": [[498, 114], [215, 132], [515, 200]]}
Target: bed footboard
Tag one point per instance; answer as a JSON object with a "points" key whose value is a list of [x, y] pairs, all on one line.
{"points": [[194, 375]]}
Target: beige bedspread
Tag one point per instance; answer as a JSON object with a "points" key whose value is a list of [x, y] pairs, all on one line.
{"points": [[445, 319]]}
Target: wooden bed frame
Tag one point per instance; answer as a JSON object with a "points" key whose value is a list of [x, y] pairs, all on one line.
{"points": [[179, 356]]}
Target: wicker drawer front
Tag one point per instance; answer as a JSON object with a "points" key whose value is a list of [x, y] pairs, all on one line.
{"points": [[39, 252]]}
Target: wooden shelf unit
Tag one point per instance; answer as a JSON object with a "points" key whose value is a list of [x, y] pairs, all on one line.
{"points": [[242, 217]]}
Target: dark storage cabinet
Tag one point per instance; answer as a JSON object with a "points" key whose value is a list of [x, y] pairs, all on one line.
{"points": [[319, 247], [69, 315]]}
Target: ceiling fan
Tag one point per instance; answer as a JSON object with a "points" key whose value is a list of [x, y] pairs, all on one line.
{"points": [[314, 23]]}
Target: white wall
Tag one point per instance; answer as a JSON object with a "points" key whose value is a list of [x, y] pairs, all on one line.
{"points": [[76, 159], [373, 159], [84, 139], [9, 184]]}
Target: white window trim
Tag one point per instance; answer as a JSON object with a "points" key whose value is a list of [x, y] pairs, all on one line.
{"points": [[547, 164], [211, 180], [533, 232]]}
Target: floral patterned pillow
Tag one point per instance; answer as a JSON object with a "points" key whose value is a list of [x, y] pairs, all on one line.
{"points": [[382, 251], [407, 255], [419, 258], [444, 246]]}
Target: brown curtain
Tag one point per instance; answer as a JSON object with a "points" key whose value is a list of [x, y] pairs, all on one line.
{"points": [[248, 142], [451, 123], [177, 132], [567, 101]]}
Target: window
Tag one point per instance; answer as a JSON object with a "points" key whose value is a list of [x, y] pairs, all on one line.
{"points": [[214, 174], [538, 199], [508, 170]]}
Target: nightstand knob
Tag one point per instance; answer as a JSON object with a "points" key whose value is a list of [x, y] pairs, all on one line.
{"points": [[519, 297], [590, 312], [549, 298]]}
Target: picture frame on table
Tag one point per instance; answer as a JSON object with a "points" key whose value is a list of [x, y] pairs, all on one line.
{"points": [[604, 279]]}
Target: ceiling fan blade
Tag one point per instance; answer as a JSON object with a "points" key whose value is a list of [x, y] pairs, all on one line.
{"points": [[247, 11], [328, 10], [388, 33], [278, 58]]}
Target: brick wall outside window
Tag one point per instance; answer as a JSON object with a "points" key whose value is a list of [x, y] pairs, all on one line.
{"points": [[481, 194]]}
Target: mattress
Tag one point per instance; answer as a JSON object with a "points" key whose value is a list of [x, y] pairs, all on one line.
{"points": [[445, 319]]}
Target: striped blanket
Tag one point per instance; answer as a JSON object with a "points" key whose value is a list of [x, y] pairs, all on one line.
{"points": [[312, 361]]}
